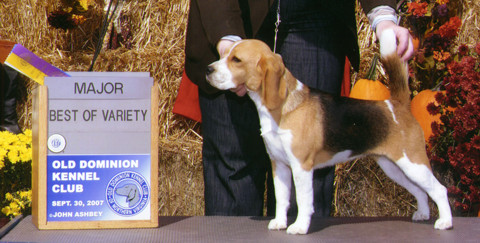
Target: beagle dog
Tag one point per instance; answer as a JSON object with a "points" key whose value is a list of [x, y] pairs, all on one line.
{"points": [[305, 129]]}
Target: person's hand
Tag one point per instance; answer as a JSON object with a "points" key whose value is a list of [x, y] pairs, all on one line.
{"points": [[404, 39], [222, 46]]}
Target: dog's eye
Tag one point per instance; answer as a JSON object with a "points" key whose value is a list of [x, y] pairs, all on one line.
{"points": [[236, 59]]}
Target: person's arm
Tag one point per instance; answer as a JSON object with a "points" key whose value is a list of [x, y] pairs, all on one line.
{"points": [[223, 25], [221, 18], [384, 17]]}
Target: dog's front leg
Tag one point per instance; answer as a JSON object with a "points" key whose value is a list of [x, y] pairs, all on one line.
{"points": [[304, 194], [282, 181]]}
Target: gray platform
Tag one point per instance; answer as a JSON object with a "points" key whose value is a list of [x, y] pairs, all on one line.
{"points": [[252, 229]]}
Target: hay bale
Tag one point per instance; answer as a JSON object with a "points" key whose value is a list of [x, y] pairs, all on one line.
{"points": [[470, 31], [158, 42], [363, 189]]}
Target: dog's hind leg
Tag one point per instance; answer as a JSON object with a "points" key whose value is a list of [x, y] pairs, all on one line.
{"points": [[397, 175], [282, 181], [422, 175]]}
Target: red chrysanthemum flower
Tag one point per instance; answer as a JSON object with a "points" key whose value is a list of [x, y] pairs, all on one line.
{"points": [[450, 29], [477, 48], [476, 142], [455, 144], [441, 56], [417, 8], [433, 109], [463, 50]]}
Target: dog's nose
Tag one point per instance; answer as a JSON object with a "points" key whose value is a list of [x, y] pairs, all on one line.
{"points": [[210, 70]]}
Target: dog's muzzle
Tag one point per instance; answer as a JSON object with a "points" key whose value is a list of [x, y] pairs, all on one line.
{"points": [[218, 75], [209, 70]]}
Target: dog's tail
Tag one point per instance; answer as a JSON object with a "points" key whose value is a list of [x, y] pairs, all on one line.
{"points": [[396, 69]]}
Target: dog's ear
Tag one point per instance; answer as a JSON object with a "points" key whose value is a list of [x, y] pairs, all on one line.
{"points": [[274, 85], [282, 88], [131, 194], [255, 79]]}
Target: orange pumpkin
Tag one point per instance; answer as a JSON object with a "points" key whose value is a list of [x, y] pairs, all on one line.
{"points": [[419, 110], [416, 43], [368, 88]]}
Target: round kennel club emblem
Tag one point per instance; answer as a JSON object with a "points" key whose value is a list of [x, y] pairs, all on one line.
{"points": [[56, 143], [127, 193]]}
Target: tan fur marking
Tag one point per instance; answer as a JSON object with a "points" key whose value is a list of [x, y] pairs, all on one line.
{"points": [[274, 167]]}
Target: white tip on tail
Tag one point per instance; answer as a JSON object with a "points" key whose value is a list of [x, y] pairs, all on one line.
{"points": [[388, 42]]}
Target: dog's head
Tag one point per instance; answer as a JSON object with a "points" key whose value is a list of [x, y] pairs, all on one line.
{"points": [[253, 64], [129, 191]]}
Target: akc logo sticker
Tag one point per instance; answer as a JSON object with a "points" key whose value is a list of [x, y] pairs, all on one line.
{"points": [[127, 193], [56, 143]]}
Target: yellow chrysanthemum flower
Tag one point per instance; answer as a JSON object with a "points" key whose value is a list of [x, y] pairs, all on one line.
{"points": [[8, 196], [26, 155], [19, 201], [14, 206], [13, 155], [14, 149], [441, 2], [25, 194], [6, 210], [84, 4]]}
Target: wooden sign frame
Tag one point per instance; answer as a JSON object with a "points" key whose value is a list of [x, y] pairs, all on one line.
{"points": [[39, 173]]}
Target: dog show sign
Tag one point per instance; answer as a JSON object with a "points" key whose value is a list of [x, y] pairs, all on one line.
{"points": [[95, 144]]}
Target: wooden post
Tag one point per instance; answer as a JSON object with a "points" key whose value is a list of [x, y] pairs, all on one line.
{"points": [[39, 158]]}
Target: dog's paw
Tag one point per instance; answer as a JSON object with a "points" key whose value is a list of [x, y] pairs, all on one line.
{"points": [[420, 216], [297, 229], [443, 224], [276, 224]]}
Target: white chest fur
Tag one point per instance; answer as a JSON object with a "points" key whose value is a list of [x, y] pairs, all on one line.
{"points": [[277, 141]]}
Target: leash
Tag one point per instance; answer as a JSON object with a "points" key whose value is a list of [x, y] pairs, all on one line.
{"points": [[277, 23], [103, 31]]}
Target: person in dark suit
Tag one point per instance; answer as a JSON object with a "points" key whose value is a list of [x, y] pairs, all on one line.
{"points": [[314, 37], [8, 100]]}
